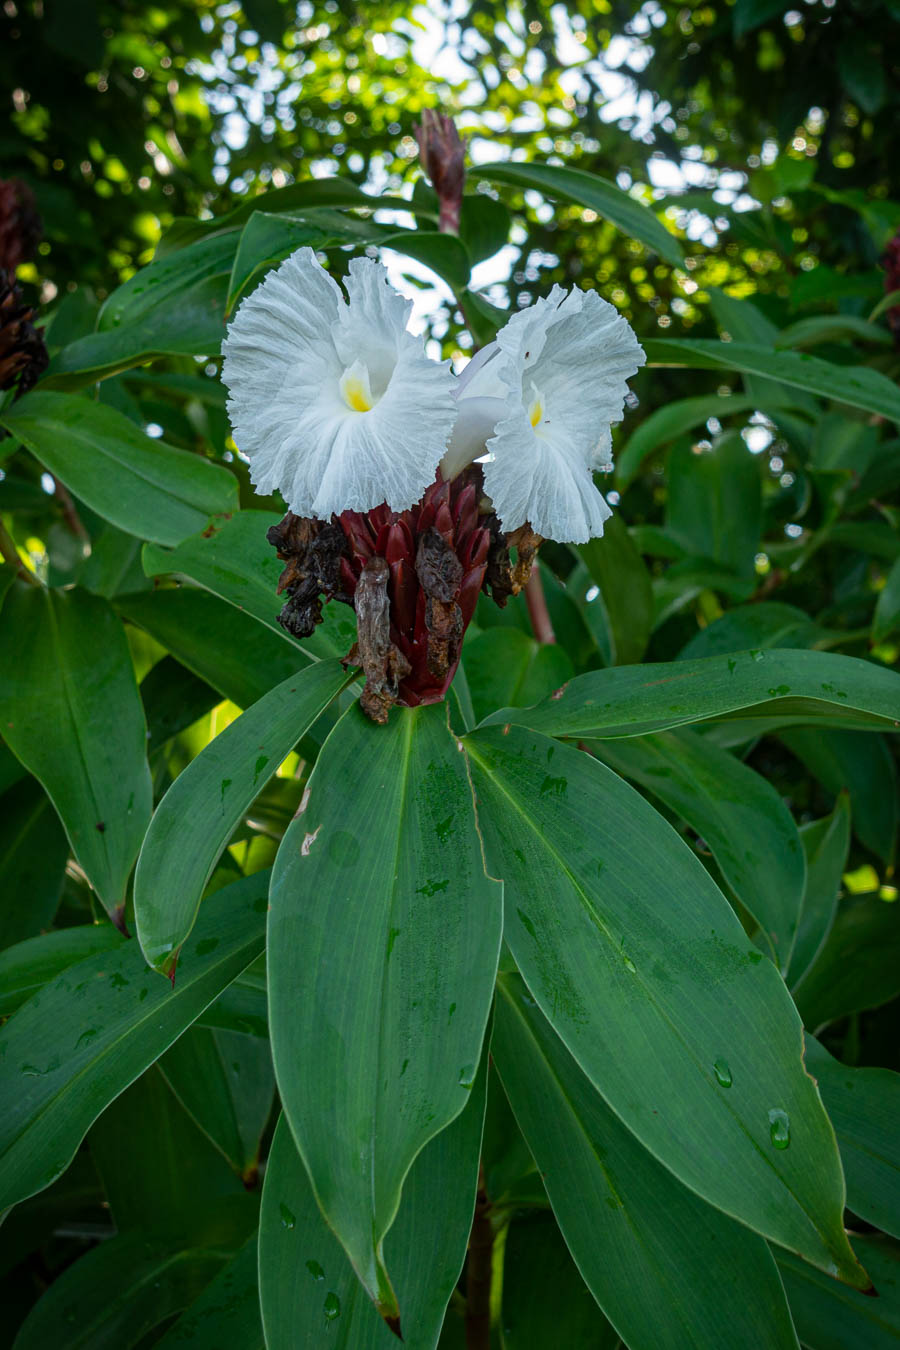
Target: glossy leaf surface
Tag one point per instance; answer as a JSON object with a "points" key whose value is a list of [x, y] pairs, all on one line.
{"points": [[199, 813], [68, 667], [658, 1249], [378, 886], [90, 1032], [643, 969]]}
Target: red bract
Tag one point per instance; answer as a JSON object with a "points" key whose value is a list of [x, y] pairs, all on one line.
{"points": [[413, 578]]}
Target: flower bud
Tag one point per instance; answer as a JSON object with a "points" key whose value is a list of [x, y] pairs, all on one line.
{"points": [[443, 157], [20, 224]]}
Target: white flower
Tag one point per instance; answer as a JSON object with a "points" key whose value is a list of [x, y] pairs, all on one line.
{"points": [[335, 403], [539, 401]]}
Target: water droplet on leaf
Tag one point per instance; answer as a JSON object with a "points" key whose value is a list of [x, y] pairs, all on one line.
{"points": [[288, 1220], [723, 1073], [779, 1127], [332, 1306]]}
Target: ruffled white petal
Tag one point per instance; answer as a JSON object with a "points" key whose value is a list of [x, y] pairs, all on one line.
{"points": [[292, 348], [543, 481], [561, 367]]}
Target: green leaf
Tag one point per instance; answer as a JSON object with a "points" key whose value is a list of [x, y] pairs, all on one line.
{"points": [[831, 328], [484, 225], [829, 1316], [858, 967], [764, 624], [826, 844], [173, 698], [445, 254], [740, 817], [863, 765], [625, 594], [886, 302], [237, 563], [858, 386], [864, 1106], [29, 965], [379, 889], [73, 1047], [65, 664], [266, 239], [791, 687], [307, 1285], [220, 645], [161, 287], [225, 1082], [226, 1313], [749, 14], [635, 220], [887, 607], [119, 1292], [645, 1245], [714, 503], [644, 970], [143, 486], [159, 1170], [33, 854], [506, 666], [669, 421], [208, 800], [535, 1260]]}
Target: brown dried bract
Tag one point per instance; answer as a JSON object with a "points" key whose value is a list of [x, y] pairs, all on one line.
{"points": [[312, 550], [384, 665], [23, 355], [504, 577], [440, 573]]}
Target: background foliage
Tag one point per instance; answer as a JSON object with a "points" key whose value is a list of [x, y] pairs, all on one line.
{"points": [[738, 210]]}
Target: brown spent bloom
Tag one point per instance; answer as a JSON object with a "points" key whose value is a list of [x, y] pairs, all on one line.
{"points": [[23, 355], [442, 154], [20, 224]]}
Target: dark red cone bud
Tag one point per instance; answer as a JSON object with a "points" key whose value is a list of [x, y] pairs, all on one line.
{"points": [[23, 356], [413, 578], [20, 224], [442, 155]]}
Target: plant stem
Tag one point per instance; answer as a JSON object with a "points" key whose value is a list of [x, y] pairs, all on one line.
{"points": [[538, 612], [478, 1272], [70, 511], [10, 553]]}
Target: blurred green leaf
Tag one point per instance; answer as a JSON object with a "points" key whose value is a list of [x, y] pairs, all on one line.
{"points": [[505, 666], [33, 854], [826, 844], [831, 1317]]}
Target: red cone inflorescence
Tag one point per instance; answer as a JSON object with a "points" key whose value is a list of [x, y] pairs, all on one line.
{"points": [[20, 224], [442, 154], [413, 578]]}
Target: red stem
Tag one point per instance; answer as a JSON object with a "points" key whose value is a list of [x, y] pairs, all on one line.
{"points": [[538, 612]]}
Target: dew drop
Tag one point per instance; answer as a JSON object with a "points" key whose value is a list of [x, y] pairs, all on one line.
{"points": [[629, 965], [467, 1076], [288, 1220], [779, 1127], [315, 1270], [722, 1071], [332, 1306]]}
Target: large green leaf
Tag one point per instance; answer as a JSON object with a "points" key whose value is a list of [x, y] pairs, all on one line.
{"points": [[160, 287], [90, 1032], [29, 965], [65, 665], [215, 641], [143, 486], [864, 766], [33, 853], [574, 185], [180, 1181], [741, 818], [714, 503], [858, 966], [384, 936], [887, 609], [120, 1291], [237, 563], [764, 623], [644, 970], [207, 801], [864, 1106], [623, 590], [267, 238], [655, 1257], [858, 386], [536, 1261], [226, 1313], [790, 687], [225, 1081], [310, 1294], [829, 1316], [826, 844]]}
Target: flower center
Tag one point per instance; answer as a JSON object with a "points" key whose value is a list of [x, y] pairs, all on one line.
{"points": [[536, 411], [356, 390]]}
